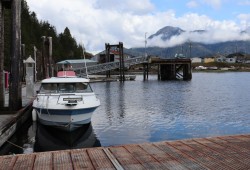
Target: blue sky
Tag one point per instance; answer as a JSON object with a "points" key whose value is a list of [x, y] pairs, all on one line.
{"points": [[218, 9], [96, 22]]}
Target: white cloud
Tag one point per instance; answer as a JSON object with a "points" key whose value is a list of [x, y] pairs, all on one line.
{"points": [[192, 4], [244, 17], [246, 2], [127, 6], [217, 31], [216, 4], [212, 36], [97, 22]]}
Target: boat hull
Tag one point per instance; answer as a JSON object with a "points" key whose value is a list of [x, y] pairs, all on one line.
{"points": [[66, 102], [65, 119]]}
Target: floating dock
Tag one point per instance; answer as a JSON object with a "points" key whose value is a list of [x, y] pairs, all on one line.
{"points": [[228, 152]]}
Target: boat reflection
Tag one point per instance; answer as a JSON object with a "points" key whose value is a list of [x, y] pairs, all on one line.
{"points": [[51, 139]]}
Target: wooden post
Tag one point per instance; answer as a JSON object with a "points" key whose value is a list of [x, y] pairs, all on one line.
{"points": [[144, 72], [35, 76], [147, 70], [50, 55], [2, 95], [15, 96], [122, 61], [107, 47], [120, 64], [158, 72], [44, 61], [22, 70]]}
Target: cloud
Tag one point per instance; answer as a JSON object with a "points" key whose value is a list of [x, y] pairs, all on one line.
{"points": [[216, 32], [244, 17], [209, 37], [246, 2], [96, 22], [216, 4], [192, 4], [127, 6]]}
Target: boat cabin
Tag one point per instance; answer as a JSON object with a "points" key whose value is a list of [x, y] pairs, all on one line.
{"points": [[65, 87]]}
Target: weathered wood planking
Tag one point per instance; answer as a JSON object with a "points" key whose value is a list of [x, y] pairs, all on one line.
{"points": [[100, 159], [81, 160], [43, 161], [228, 152]]}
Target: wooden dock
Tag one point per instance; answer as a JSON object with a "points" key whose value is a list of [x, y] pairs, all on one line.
{"points": [[171, 69], [228, 152]]}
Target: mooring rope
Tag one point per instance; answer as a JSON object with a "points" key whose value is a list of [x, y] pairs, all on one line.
{"points": [[15, 145]]}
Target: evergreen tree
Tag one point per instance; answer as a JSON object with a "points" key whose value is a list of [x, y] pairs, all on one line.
{"points": [[64, 45]]}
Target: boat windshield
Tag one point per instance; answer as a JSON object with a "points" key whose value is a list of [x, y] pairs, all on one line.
{"points": [[65, 88]]}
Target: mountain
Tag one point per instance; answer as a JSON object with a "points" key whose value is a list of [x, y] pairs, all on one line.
{"points": [[167, 32], [192, 48]]}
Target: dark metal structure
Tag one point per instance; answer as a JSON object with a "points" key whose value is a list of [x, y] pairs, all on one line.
{"points": [[121, 58], [171, 69]]}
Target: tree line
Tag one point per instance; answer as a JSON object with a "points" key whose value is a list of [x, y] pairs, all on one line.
{"points": [[32, 30]]}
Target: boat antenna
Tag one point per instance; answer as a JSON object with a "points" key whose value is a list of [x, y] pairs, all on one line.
{"points": [[86, 69]]}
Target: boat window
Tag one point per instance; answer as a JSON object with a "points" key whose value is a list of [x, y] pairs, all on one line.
{"points": [[48, 88], [66, 88], [83, 88]]}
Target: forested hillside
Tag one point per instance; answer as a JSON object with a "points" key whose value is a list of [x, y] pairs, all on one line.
{"points": [[64, 45]]}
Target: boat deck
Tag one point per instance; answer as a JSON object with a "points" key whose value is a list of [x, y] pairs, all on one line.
{"points": [[228, 152]]}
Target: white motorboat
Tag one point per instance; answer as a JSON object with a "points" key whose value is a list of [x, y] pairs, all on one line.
{"points": [[66, 102]]}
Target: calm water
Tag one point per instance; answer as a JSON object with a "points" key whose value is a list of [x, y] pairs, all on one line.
{"points": [[211, 104]]}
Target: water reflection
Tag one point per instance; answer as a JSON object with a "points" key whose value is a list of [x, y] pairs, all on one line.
{"points": [[140, 111], [121, 103], [50, 139]]}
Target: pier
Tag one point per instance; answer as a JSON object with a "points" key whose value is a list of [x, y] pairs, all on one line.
{"points": [[170, 69], [10, 121], [228, 152]]}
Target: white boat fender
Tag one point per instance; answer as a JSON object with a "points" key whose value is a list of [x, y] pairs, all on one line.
{"points": [[34, 115]]}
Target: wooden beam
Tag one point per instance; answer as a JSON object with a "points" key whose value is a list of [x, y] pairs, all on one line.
{"points": [[2, 101], [15, 99]]}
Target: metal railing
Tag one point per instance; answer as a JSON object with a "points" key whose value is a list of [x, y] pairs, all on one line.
{"points": [[81, 71]]}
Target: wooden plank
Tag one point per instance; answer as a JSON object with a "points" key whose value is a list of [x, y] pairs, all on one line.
{"points": [[43, 161], [207, 160], [242, 137], [181, 157], [24, 162], [125, 158], [114, 161], [224, 150], [166, 160], [7, 162], [62, 160], [143, 157], [244, 145], [219, 157], [81, 159], [227, 152], [234, 147], [99, 159], [247, 136]]}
